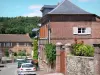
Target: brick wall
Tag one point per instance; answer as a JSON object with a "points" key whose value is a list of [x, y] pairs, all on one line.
{"points": [[63, 31], [16, 48]]}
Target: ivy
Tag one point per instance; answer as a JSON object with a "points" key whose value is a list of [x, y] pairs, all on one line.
{"points": [[35, 49], [50, 51]]}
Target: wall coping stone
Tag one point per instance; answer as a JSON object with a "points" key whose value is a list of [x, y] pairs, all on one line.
{"points": [[80, 57]]}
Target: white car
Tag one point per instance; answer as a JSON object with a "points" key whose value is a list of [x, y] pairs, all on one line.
{"points": [[27, 69]]}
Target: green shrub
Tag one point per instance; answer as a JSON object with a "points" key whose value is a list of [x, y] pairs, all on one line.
{"points": [[15, 54], [21, 53], [82, 50]]}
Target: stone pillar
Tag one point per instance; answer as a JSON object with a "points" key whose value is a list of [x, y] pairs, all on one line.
{"points": [[67, 52], [97, 59], [58, 48], [67, 48]]}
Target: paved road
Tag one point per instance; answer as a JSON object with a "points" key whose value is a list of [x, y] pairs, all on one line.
{"points": [[10, 69]]}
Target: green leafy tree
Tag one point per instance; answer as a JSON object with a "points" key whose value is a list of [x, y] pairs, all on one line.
{"points": [[18, 25], [50, 51], [21, 53], [35, 49], [6, 52]]}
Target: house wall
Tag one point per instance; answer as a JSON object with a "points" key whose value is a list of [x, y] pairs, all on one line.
{"points": [[63, 32], [17, 47]]}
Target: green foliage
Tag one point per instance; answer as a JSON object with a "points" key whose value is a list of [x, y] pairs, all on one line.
{"points": [[18, 25], [82, 50], [6, 52], [21, 53], [15, 54], [35, 49], [50, 51]]}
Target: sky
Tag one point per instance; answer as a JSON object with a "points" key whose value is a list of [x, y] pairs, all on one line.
{"points": [[30, 8]]}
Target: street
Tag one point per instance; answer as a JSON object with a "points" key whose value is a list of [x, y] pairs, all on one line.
{"points": [[11, 69]]}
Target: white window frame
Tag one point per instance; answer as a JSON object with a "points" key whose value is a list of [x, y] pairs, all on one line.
{"points": [[17, 44], [82, 32], [25, 44]]}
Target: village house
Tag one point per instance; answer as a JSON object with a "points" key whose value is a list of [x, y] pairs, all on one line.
{"points": [[15, 43], [65, 22]]}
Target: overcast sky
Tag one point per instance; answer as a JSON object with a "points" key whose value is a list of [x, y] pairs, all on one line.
{"points": [[13, 8]]}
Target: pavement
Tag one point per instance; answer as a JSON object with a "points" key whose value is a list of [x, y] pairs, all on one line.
{"points": [[42, 70]]}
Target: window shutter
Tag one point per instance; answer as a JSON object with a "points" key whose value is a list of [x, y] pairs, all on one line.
{"points": [[88, 30], [75, 30]]}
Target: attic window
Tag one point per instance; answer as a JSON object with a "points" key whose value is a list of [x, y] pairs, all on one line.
{"points": [[81, 30]]}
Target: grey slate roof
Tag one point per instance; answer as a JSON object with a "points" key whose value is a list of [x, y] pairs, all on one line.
{"points": [[48, 6], [66, 7]]}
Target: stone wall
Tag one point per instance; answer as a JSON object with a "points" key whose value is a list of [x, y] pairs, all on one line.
{"points": [[77, 65]]}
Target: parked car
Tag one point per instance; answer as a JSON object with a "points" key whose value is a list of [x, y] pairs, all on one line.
{"points": [[29, 60], [27, 69], [20, 61]]}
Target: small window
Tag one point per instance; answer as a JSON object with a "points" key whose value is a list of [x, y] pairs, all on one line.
{"points": [[26, 44], [0, 44], [7, 44], [81, 30]]}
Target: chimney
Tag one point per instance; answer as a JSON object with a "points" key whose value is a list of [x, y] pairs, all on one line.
{"points": [[58, 3], [27, 34]]}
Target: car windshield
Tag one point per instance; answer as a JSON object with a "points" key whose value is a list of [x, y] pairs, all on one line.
{"points": [[21, 61], [27, 65], [29, 60]]}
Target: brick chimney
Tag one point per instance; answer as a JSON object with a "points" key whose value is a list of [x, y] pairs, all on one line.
{"points": [[27, 34]]}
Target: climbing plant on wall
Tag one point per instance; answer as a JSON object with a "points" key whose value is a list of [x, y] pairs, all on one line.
{"points": [[50, 51], [35, 49]]}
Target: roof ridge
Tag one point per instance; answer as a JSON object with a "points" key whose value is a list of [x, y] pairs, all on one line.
{"points": [[67, 7], [57, 6]]}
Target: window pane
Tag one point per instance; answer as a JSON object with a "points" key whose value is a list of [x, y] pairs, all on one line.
{"points": [[27, 65], [79, 30], [83, 30], [7, 44]]}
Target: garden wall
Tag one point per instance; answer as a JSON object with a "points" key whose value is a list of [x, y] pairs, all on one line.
{"points": [[78, 65]]}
